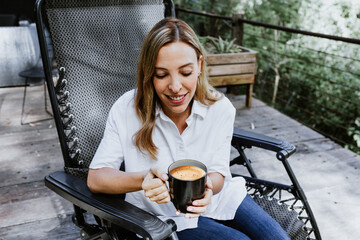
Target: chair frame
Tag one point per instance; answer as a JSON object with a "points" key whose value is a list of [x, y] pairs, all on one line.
{"points": [[245, 139], [113, 214]]}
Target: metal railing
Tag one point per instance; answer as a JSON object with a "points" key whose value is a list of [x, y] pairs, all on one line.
{"points": [[300, 77]]}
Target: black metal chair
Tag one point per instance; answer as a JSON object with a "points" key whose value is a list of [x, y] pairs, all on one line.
{"points": [[34, 77], [96, 45]]}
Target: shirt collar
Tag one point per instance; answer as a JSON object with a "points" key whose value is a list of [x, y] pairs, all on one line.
{"points": [[197, 109]]}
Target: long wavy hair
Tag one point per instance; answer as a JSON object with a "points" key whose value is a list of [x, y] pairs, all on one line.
{"points": [[166, 31]]}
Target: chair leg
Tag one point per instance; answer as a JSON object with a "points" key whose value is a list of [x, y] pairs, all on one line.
{"points": [[23, 107], [173, 236], [46, 109], [88, 231], [23, 103], [99, 235], [172, 224]]}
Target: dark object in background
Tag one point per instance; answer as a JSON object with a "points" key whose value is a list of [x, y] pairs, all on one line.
{"points": [[22, 9], [8, 20]]}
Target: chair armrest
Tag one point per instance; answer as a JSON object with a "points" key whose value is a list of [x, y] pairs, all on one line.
{"points": [[108, 207], [243, 138]]}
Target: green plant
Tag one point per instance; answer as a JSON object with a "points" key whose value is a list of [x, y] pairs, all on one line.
{"points": [[219, 45], [354, 131], [208, 26], [319, 83]]}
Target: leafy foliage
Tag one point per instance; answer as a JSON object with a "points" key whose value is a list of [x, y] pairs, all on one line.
{"points": [[318, 80], [219, 45], [209, 26]]}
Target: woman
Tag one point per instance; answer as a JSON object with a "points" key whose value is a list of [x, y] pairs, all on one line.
{"points": [[172, 115]]}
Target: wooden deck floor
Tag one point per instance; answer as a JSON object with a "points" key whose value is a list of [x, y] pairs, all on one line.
{"points": [[328, 173]]}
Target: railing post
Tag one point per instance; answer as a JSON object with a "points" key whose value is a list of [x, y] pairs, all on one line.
{"points": [[176, 10], [237, 28]]}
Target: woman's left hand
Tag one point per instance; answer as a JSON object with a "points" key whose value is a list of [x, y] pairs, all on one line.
{"points": [[199, 206]]}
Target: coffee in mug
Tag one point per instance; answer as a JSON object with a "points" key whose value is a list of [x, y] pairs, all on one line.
{"points": [[187, 172], [187, 179]]}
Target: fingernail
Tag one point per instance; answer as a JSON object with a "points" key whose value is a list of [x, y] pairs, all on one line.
{"points": [[190, 209], [165, 176], [195, 203], [177, 213]]}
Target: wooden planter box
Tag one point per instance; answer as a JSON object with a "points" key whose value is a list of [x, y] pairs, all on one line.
{"points": [[233, 69]]}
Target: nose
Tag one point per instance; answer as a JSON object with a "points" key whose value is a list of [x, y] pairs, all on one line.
{"points": [[175, 84]]}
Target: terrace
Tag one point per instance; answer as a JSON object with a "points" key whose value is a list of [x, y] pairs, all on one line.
{"points": [[327, 172]]}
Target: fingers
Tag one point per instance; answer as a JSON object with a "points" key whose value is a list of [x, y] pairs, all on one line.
{"points": [[158, 172], [163, 197], [205, 200], [154, 186], [199, 206], [150, 182], [209, 183], [195, 211], [155, 193]]}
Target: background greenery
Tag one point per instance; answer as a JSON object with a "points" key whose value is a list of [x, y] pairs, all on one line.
{"points": [[314, 80]]}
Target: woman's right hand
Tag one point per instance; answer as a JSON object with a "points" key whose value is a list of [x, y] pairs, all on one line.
{"points": [[154, 185]]}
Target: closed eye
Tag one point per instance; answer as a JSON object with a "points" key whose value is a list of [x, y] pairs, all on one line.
{"points": [[160, 76], [187, 74]]}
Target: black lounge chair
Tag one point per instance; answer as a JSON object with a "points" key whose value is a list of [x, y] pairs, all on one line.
{"points": [[96, 45]]}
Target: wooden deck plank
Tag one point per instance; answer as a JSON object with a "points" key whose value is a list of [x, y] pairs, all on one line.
{"points": [[21, 192], [35, 209], [55, 228], [29, 152], [29, 162]]}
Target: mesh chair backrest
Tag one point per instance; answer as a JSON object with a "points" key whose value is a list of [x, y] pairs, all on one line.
{"points": [[97, 42]]}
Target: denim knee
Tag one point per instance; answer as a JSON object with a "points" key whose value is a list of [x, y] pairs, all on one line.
{"points": [[210, 229], [256, 223]]}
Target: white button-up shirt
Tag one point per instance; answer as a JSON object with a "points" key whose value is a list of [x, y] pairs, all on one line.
{"points": [[207, 138]]}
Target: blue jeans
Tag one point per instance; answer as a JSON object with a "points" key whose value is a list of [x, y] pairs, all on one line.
{"points": [[250, 222]]}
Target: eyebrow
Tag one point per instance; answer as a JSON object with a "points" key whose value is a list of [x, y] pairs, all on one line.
{"points": [[185, 65]]}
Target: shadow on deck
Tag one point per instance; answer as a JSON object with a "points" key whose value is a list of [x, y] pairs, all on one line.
{"points": [[327, 172]]}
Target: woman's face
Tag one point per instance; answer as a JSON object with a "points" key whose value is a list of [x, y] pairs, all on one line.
{"points": [[176, 72]]}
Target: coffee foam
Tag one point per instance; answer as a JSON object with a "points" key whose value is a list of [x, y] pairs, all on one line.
{"points": [[187, 172]]}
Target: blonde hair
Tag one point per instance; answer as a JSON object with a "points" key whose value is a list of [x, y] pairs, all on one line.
{"points": [[166, 31]]}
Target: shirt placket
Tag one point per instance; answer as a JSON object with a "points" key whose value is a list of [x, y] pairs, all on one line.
{"points": [[182, 151], [180, 148]]}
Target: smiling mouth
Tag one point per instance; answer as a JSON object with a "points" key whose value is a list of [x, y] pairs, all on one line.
{"points": [[177, 98]]}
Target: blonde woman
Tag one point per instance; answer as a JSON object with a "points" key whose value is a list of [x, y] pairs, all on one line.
{"points": [[174, 114]]}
